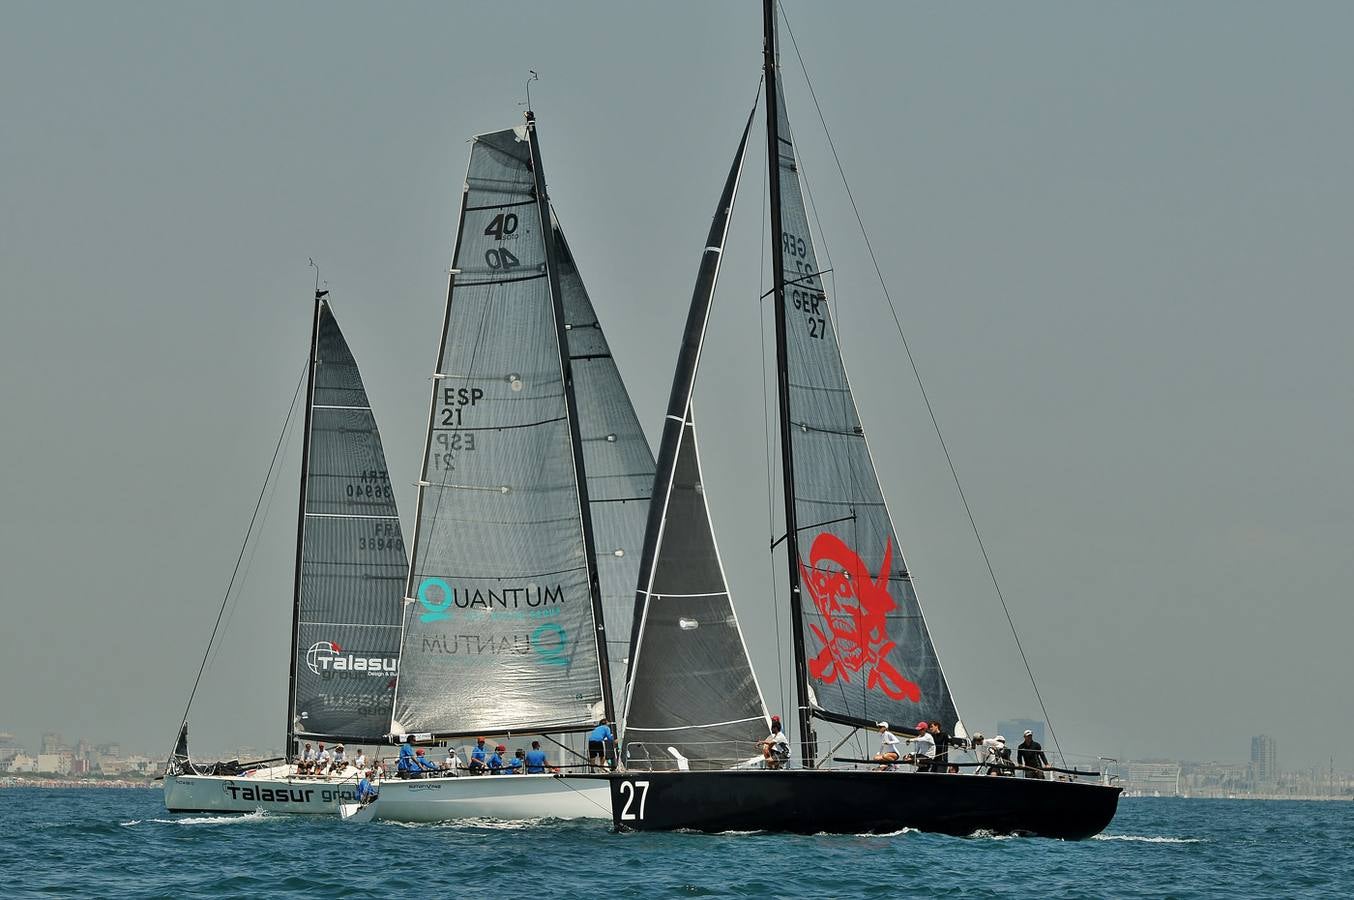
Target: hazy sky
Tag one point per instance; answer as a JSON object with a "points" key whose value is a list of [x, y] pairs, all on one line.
{"points": [[1119, 237]]}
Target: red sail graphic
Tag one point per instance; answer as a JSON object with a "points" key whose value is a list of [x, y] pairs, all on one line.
{"points": [[854, 606]]}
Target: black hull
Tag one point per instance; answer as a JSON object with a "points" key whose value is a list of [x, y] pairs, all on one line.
{"points": [[857, 802]]}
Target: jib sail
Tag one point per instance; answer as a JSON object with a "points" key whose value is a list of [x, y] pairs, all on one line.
{"points": [[691, 686]]}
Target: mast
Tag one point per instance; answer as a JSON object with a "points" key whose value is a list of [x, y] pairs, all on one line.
{"points": [[571, 406], [806, 747], [301, 520]]}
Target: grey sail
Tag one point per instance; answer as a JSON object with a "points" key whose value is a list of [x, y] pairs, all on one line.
{"points": [[617, 459], [869, 655], [500, 630], [352, 563], [691, 686]]}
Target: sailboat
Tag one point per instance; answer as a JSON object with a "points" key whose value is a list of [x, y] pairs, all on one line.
{"points": [[862, 652], [346, 606], [532, 502]]}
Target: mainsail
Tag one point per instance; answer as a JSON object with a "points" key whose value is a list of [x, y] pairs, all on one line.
{"points": [[868, 653], [691, 685], [351, 563], [616, 457], [502, 626]]}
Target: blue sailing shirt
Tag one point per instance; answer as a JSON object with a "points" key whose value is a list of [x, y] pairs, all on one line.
{"points": [[364, 790], [407, 763], [477, 753], [495, 762], [601, 733], [536, 762]]}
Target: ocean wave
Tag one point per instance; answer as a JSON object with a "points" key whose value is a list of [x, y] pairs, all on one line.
{"points": [[1147, 839], [228, 819]]}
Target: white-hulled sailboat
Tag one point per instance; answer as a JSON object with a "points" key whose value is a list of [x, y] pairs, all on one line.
{"points": [[346, 604], [531, 507]]}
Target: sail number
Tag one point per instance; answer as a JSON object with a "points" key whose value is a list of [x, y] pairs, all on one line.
{"points": [[372, 484], [805, 298], [454, 402], [503, 225], [384, 536], [630, 790]]}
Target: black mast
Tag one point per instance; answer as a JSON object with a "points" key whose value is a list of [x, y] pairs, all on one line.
{"points": [[580, 474], [288, 749], [806, 743]]}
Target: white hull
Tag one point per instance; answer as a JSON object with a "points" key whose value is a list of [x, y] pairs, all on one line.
{"points": [[492, 797], [273, 790]]}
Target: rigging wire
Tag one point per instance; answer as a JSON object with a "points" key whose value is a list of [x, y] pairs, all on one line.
{"points": [[267, 479], [916, 372]]}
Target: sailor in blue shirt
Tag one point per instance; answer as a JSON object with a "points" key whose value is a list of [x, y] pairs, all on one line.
{"points": [[407, 767], [477, 758], [536, 760], [496, 761], [365, 792], [599, 743], [514, 765]]}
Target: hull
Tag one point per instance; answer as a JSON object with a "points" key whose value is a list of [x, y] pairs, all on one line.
{"points": [[356, 813], [857, 802], [273, 790], [492, 797]]}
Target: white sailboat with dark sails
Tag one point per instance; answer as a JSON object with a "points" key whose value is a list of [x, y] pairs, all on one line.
{"points": [[531, 508], [862, 652], [346, 606]]}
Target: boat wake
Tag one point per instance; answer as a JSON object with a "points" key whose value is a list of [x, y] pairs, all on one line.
{"points": [[483, 824], [254, 816], [1145, 839]]}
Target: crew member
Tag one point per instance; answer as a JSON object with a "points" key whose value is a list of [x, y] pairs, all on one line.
{"points": [[599, 744], [496, 761], [424, 766], [360, 760], [537, 762], [515, 765], [304, 761], [775, 747], [888, 747], [365, 792], [478, 758], [407, 767], [1030, 755], [941, 761], [1000, 762], [452, 762], [340, 759], [322, 758], [923, 748]]}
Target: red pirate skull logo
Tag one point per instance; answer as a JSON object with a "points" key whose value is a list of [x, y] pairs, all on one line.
{"points": [[853, 605]]}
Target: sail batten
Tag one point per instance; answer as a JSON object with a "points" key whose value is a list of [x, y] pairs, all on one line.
{"points": [[352, 564]]}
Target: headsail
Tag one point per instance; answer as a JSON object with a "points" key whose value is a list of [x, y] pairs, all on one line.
{"points": [[617, 459], [869, 655], [691, 682], [352, 559], [499, 625]]}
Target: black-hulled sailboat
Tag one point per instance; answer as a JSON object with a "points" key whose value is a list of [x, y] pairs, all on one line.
{"points": [[531, 507], [861, 648], [346, 606]]}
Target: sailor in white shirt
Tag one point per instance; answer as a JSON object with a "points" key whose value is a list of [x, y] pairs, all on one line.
{"points": [[360, 760], [888, 746], [452, 762], [322, 758], [923, 748], [340, 759]]}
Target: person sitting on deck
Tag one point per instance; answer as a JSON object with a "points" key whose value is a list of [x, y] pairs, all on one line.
{"points": [[478, 758], [537, 763], [425, 766], [365, 792], [599, 744], [360, 760], [303, 762], [340, 761], [322, 758], [923, 748], [888, 747], [775, 747], [496, 761], [517, 764]]}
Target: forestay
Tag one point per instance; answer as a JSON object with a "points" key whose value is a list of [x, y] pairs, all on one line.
{"points": [[868, 651], [691, 687], [616, 457], [499, 631], [353, 562]]}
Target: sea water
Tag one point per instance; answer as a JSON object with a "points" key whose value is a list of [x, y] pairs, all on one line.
{"points": [[122, 843]]}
